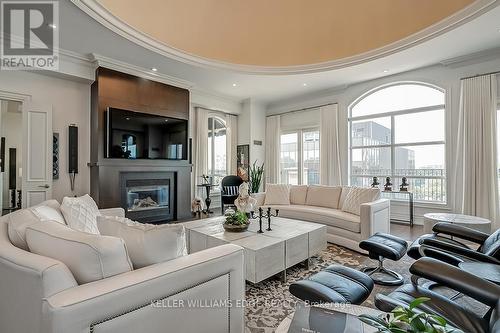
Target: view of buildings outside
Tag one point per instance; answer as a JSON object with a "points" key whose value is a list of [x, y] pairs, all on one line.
{"points": [[291, 156], [427, 180]]}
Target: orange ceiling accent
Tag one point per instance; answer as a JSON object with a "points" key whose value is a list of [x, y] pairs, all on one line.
{"points": [[280, 32]]}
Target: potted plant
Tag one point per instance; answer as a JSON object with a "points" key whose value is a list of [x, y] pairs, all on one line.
{"points": [[256, 173], [236, 221], [406, 320]]}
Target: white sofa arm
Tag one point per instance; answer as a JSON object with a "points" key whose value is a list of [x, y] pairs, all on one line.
{"points": [[117, 211], [375, 217], [260, 197], [174, 295]]}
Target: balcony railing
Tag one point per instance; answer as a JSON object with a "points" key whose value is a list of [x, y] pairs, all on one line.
{"points": [[428, 185]]}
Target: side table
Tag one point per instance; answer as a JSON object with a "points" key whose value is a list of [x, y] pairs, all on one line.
{"points": [[474, 222], [208, 201]]}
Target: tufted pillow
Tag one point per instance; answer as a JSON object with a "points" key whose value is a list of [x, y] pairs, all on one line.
{"points": [[147, 244], [277, 194], [81, 213], [358, 196], [89, 257], [19, 220]]}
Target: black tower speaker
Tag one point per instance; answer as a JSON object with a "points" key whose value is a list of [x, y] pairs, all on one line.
{"points": [[73, 149]]}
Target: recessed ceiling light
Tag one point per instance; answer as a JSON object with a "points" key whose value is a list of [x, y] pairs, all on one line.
{"points": [[154, 69], [386, 71], [53, 26], [234, 84], [166, 120], [127, 118], [304, 84]]}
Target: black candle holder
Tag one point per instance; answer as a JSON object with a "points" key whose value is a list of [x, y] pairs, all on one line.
{"points": [[261, 215]]}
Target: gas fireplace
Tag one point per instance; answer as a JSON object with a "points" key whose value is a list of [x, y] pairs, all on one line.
{"points": [[148, 196]]}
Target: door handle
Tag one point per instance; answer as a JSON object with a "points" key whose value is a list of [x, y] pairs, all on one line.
{"points": [[44, 186]]}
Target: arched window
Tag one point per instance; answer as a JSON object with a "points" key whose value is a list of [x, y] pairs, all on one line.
{"points": [[217, 166], [399, 131]]}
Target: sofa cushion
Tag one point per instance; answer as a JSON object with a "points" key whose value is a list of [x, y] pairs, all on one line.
{"points": [[48, 213], [323, 196], [358, 196], [343, 195], [298, 194], [147, 244], [277, 194], [323, 215], [81, 213], [89, 257], [19, 220]]}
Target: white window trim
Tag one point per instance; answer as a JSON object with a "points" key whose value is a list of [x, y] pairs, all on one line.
{"points": [[392, 114], [300, 157]]}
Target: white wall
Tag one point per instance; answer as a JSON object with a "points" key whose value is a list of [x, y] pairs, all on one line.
{"points": [[445, 77], [70, 102]]}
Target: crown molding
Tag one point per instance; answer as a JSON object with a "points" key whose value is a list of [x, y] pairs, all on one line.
{"points": [[99, 13], [473, 58], [103, 61]]}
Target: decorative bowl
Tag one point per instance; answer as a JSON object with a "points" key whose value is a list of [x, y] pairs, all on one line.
{"points": [[236, 227]]}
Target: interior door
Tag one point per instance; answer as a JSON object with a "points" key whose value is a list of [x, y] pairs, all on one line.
{"points": [[37, 154]]}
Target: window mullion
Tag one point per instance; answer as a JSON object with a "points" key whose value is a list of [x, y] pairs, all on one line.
{"points": [[300, 148], [393, 148]]}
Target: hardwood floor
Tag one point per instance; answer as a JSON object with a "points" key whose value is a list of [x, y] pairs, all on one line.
{"points": [[404, 231]]}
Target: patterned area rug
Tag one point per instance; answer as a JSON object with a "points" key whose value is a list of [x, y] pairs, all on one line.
{"points": [[269, 302]]}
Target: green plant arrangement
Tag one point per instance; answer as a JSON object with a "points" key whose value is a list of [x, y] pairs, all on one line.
{"points": [[236, 221], [406, 320], [256, 173]]}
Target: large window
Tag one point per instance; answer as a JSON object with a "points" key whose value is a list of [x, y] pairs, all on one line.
{"points": [[299, 157], [399, 131], [217, 166]]}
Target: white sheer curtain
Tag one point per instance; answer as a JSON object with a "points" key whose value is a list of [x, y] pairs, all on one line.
{"points": [[330, 163], [200, 151], [476, 173], [232, 141], [272, 165]]}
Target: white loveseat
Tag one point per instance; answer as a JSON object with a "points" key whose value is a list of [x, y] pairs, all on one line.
{"points": [[323, 204], [40, 295]]}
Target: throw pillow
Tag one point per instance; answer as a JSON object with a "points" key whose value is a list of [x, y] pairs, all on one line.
{"points": [[81, 213], [343, 195], [277, 194], [298, 194], [358, 196], [147, 244], [323, 196], [19, 220], [89, 257]]}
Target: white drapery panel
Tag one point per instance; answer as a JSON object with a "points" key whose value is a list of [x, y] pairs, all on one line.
{"points": [[232, 141], [476, 174], [330, 162], [200, 147], [272, 166]]}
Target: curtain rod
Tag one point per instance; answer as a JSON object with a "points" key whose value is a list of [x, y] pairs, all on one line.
{"points": [[299, 110], [477, 75]]}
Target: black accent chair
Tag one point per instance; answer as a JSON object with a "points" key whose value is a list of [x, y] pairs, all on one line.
{"points": [[229, 190], [447, 244], [455, 314]]}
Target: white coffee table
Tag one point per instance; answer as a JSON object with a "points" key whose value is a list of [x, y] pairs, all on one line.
{"points": [[474, 222], [289, 243]]}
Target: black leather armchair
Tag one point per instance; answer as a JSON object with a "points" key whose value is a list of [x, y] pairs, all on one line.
{"points": [[448, 243], [452, 277], [229, 190]]}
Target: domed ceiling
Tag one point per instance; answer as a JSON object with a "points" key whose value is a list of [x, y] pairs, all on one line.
{"points": [[279, 33]]}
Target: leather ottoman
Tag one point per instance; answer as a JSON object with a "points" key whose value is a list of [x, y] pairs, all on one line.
{"points": [[335, 284]]}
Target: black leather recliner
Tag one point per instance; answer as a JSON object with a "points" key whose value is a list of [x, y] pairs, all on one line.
{"points": [[447, 244], [455, 314], [229, 190]]}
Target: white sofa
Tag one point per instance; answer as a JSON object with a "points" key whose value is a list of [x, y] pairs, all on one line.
{"points": [[323, 204], [40, 295]]}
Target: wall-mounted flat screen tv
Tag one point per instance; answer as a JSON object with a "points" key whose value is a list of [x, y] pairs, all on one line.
{"points": [[135, 135]]}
